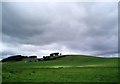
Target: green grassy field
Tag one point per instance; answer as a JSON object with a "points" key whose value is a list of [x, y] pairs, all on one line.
{"points": [[66, 69]]}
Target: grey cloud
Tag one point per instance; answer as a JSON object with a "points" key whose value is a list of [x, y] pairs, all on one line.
{"points": [[7, 53], [90, 27], [19, 26], [119, 27]]}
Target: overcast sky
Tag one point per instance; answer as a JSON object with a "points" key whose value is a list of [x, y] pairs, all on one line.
{"points": [[33, 28]]}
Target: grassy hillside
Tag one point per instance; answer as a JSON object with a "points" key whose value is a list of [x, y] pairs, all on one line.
{"points": [[69, 60], [71, 68]]}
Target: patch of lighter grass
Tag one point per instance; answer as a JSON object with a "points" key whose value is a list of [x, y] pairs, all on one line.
{"points": [[68, 66]]}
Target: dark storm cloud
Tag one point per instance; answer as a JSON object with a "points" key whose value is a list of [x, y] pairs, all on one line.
{"points": [[79, 27]]}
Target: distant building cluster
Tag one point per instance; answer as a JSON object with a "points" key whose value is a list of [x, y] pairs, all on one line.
{"points": [[52, 56]]}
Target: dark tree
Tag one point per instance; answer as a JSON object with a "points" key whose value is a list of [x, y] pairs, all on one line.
{"points": [[14, 58], [51, 54], [46, 58], [32, 56]]}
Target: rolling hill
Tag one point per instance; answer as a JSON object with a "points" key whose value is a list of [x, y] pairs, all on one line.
{"points": [[69, 68], [70, 61]]}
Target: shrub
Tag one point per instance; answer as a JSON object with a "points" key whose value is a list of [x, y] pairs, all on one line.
{"points": [[11, 71], [33, 71]]}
